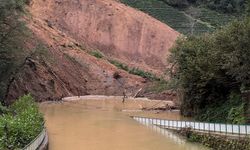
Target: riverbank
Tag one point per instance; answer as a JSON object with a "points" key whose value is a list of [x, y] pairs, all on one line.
{"points": [[145, 107], [129, 102]]}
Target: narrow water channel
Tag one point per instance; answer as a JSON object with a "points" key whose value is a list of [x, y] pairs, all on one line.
{"points": [[88, 126]]}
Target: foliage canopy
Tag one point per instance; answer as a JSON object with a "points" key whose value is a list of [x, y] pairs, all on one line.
{"points": [[211, 71]]}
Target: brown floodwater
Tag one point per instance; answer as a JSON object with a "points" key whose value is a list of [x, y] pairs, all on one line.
{"points": [[100, 125]]}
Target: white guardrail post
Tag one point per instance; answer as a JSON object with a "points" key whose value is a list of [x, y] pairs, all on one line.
{"points": [[232, 129]]}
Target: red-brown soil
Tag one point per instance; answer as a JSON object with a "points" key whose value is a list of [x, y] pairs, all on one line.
{"points": [[117, 30], [67, 70], [69, 29]]}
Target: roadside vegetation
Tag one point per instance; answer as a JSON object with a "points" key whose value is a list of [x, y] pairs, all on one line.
{"points": [[20, 123], [212, 73], [13, 34], [216, 142]]}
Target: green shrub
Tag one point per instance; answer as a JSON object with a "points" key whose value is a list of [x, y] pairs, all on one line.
{"points": [[236, 115], [134, 71], [3, 109], [144, 74], [21, 124], [119, 65], [217, 142], [97, 54], [21, 104]]}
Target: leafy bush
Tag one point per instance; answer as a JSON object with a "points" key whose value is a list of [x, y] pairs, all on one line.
{"points": [[236, 115], [231, 111], [21, 124], [212, 67]]}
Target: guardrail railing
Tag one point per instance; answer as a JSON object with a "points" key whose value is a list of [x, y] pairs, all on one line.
{"points": [[35, 144], [230, 129]]}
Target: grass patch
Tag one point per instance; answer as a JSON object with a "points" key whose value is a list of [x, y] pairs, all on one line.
{"points": [[119, 65], [134, 71], [144, 74]]}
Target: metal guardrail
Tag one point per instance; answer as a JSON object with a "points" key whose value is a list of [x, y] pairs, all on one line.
{"points": [[228, 129], [34, 145]]}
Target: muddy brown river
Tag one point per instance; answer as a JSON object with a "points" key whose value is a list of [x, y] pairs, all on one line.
{"points": [[101, 125]]}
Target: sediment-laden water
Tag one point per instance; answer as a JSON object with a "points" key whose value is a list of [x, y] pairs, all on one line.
{"points": [[100, 125]]}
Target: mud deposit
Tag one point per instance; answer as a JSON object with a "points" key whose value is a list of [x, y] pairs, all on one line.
{"points": [[100, 125]]}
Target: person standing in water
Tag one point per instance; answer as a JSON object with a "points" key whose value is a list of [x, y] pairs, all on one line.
{"points": [[124, 96]]}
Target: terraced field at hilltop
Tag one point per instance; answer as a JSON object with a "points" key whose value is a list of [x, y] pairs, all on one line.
{"points": [[188, 21]]}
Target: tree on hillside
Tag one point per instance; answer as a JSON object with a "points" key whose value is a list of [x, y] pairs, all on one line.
{"points": [[212, 70], [12, 32]]}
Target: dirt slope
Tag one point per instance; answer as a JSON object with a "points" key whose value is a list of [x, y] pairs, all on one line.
{"points": [[69, 29], [65, 69], [117, 30]]}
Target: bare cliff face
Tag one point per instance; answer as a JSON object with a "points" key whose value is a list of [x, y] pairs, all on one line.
{"points": [[117, 30], [69, 29]]}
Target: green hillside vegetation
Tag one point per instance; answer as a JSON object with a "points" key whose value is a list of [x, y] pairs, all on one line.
{"points": [[211, 17], [20, 123], [12, 39], [96, 54], [189, 18], [14, 35], [212, 71], [135, 71], [222, 6], [169, 15]]}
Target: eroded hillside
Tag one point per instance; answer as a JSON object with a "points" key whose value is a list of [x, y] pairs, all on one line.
{"points": [[117, 30], [64, 32], [64, 68]]}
